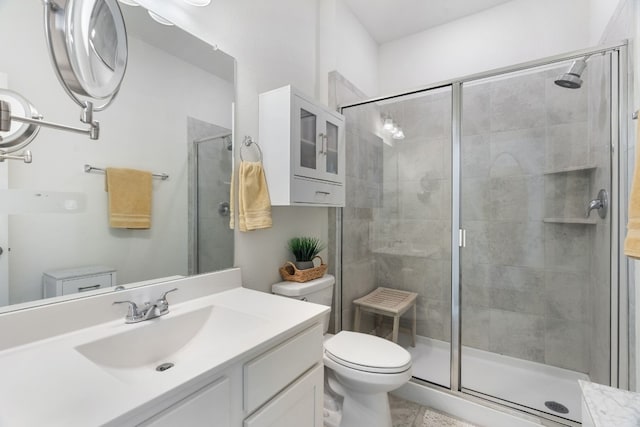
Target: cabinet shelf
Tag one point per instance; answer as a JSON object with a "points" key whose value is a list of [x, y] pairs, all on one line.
{"points": [[584, 168], [583, 221]]}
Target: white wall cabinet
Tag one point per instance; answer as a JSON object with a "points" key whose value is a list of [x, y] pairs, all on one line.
{"points": [[303, 145]]}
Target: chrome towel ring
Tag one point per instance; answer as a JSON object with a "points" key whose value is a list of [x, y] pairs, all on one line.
{"points": [[248, 141]]}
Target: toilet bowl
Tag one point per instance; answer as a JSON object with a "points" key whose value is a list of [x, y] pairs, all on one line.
{"points": [[362, 369], [359, 368]]}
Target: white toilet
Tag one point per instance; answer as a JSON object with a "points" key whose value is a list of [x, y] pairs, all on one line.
{"points": [[360, 368]]}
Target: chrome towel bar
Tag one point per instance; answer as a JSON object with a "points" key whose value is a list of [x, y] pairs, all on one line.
{"points": [[89, 169]]}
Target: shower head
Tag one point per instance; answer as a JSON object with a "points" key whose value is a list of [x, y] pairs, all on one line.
{"points": [[571, 79]]}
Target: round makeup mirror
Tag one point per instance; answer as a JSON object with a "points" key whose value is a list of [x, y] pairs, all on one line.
{"points": [[88, 45], [15, 135]]}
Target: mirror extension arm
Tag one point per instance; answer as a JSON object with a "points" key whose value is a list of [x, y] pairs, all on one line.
{"points": [[87, 117]]}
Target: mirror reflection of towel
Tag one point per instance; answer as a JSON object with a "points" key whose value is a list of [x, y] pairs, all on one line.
{"points": [[129, 198], [254, 204]]}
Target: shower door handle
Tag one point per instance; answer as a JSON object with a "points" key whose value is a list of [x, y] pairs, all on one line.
{"points": [[462, 238]]}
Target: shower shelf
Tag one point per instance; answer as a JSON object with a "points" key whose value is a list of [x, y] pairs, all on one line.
{"points": [[585, 168], [584, 221]]}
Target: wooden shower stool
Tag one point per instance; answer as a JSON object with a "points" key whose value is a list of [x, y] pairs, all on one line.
{"points": [[388, 302]]}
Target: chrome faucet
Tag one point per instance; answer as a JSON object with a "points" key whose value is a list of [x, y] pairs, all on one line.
{"points": [[150, 310]]}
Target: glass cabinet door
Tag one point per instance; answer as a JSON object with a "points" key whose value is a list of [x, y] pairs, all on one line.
{"points": [[319, 145], [308, 139], [331, 148]]}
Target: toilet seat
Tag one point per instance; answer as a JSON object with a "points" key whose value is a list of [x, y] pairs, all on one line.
{"points": [[367, 353]]}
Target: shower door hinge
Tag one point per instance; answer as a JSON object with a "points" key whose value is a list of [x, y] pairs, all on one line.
{"points": [[462, 238]]}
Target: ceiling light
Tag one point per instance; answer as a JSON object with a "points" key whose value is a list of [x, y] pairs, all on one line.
{"points": [[388, 124], [398, 134], [198, 2], [129, 2], [159, 19]]}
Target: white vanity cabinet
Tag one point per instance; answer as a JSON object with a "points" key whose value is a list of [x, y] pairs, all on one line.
{"points": [[303, 146], [73, 280], [279, 387]]}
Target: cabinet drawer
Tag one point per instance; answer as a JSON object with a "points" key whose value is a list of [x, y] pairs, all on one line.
{"points": [[299, 405], [272, 371], [206, 407], [309, 191], [86, 284]]}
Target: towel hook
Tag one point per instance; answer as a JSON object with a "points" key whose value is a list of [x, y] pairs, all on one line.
{"points": [[248, 141]]}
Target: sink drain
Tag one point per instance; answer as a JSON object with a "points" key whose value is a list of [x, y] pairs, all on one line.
{"points": [[164, 366], [556, 407]]}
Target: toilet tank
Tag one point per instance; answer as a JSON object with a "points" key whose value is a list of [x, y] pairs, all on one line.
{"points": [[319, 291]]}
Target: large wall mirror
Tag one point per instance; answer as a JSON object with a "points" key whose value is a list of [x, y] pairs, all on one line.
{"points": [[173, 115]]}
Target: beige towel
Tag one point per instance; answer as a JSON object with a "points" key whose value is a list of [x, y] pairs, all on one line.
{"points": [[632, 242], [129, 198], [254, 204]]}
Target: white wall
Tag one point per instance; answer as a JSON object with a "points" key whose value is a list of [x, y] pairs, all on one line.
{"points": [[357, 52], [274, 43], [600, 16], [344, 45], [513, 32]]}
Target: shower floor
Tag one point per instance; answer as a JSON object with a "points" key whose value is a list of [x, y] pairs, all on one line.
{"points": [[525, 383]]}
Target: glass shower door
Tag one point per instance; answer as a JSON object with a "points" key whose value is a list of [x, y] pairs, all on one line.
{"points": [[397, 222], [535, 272]]}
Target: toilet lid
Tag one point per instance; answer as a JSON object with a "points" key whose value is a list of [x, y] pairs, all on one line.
{"points": [[367, 353]]}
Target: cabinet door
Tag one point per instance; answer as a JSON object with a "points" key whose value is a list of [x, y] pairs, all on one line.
{"points": [[299, 405], [207, 407], [332, 148], [307, 139]]}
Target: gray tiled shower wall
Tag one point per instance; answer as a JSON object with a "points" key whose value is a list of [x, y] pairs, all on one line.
{"points": [[214, 174], [531, 288]]}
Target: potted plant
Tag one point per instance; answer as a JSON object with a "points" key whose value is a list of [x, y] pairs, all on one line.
{"points": [[304, 249]]}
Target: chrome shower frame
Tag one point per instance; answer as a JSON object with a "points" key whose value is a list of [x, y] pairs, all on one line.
{"points": [[622, 321]]}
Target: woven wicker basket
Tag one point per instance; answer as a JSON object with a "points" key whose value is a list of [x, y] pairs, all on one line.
{"points": [[290, 273]]}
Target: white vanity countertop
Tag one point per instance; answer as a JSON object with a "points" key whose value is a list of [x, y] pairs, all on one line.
{"points": [[49, 383], [610, 406]]}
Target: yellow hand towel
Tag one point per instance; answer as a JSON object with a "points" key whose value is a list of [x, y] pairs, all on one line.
{"points": [[632, 242], [254, 204], [129, 198]]}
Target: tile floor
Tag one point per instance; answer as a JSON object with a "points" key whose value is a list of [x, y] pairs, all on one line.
{"points": [[409, 414]]}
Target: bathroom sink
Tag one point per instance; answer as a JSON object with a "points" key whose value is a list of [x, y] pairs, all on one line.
{"points": [[154, 346]]}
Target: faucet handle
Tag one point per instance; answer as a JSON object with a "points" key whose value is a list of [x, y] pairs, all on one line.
{"points": [[164, 295], [133, 315], [162, 304]]}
